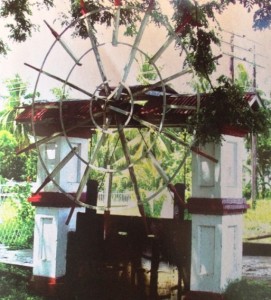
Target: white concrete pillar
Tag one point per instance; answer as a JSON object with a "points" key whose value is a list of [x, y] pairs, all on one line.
{"points": [[50, 241], [221, 179], [216, 207], [53, 208]]}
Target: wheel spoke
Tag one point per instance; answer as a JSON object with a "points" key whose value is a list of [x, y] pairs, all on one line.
{"points": [[112, 94], [161, 82], [162, 49], [137, 41], [108, 189], [53, 136], [192, 148], [132, 175], [57, 169], [174, 138], [93, 41], [65, 47], [170, 39], [85, 177], [155, 162], [62, 80], [119, 110], [129, 165], [158, 167], [116, 26], [186, 107]]}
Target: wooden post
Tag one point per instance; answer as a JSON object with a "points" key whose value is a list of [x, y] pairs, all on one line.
{"points": [[232, 58], [254, 145], [253, 170]]}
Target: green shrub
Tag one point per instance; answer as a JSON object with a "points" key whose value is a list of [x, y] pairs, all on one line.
{"points": [[257, 221], [17, 218], [14, 283], [248, 290]]}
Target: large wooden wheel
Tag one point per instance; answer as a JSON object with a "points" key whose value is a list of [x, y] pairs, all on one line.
{"points": [[136, 126]]}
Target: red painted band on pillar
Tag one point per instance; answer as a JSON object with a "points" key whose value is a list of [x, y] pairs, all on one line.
{"points": [[54, 199], [217, 206]]}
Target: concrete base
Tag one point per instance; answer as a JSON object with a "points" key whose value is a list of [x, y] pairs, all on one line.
{"points": [[45, 286]]}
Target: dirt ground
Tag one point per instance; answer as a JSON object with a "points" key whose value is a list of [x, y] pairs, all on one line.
{"points": [[253, 266], [257, 267]]}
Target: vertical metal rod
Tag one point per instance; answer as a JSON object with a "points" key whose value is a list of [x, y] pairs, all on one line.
{"points": [[108, 191], [88, 168], [137, 41], [232, 58], [132, 176], [116, 26], [254, 170], [254, 69], [93, 41], [254, 145]]}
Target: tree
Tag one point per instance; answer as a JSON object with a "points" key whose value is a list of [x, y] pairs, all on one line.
{"points": [[263, 146], [17, 95], [13, 135], [196, 34], [264, 165], [243, 79], [19, 168], [19, 25], [59, 93]]}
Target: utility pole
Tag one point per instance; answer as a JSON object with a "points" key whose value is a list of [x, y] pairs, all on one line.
{"points": [[254, 144], [232, 58]]}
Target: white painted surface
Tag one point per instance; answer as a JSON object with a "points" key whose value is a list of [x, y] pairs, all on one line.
{"points": [[216, 251], [50, 241], [217, 240], [222, 179], [52, 153]]}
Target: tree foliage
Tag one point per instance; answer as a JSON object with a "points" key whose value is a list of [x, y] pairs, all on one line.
{"points": [[17, 94], [18, 168], [14, 135], [196, 36], [194, 18], [18, 14]]}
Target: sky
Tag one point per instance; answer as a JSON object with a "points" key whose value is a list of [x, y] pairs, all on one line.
{"points": [[235, 20]]}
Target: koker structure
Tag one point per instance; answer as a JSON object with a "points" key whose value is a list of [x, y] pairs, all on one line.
{"points": [[102, 133]]}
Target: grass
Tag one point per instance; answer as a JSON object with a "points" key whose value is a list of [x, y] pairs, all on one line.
{"points": [[246, 289], [258, 222], [14, 283]]}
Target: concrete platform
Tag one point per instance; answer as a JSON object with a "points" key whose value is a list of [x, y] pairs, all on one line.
{"points": [[16, 257], [257, 266]]}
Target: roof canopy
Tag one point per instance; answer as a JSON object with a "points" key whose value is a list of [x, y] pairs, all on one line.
{"points": [[153, 106]]}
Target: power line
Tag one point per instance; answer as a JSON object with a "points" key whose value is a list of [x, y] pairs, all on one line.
{"points": [[242, 36], [243, 59]]}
